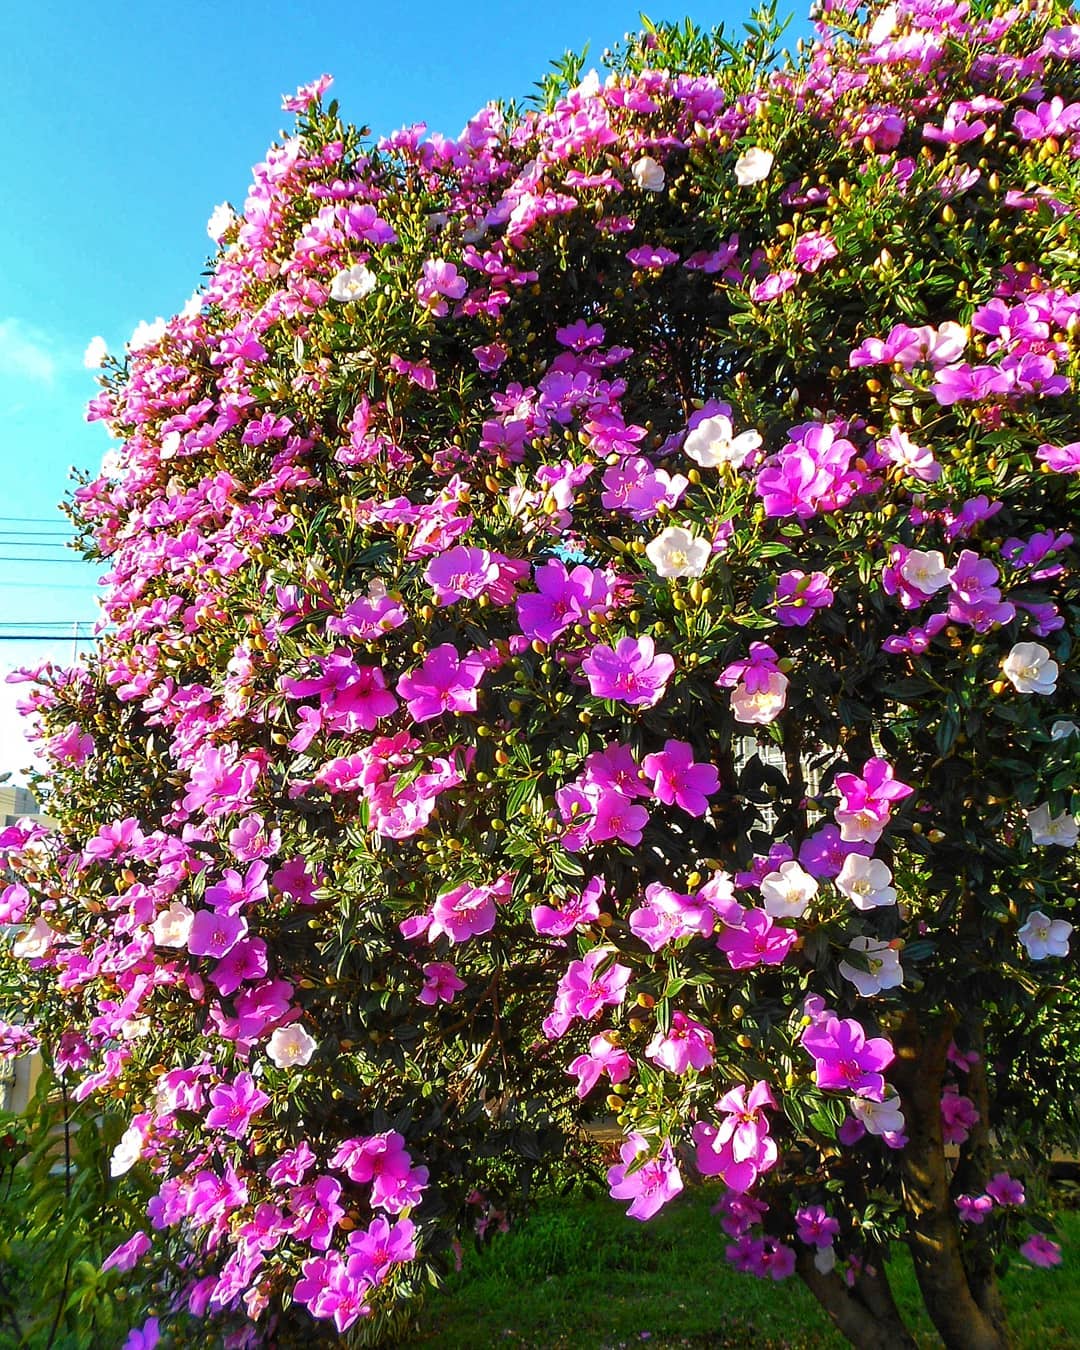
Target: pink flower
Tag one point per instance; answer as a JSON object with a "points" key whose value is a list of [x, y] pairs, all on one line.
{"points": [[562, 599], [756, 941], [463, 912], [461, 574], [1041, 1251], [815, 1227], [372, 1251], [573, 912], [1005, 1190], [799, 595], [845, 1060], [603, 1057], [234, 1104], [685, 1045], [668, 915], [585, 989], [958, 1116], [678, 780], [383, 1160], [439, 279], [973, 1208], [215, 933], [633, 672], [444, 682], [651, 1185], [441, 983]]}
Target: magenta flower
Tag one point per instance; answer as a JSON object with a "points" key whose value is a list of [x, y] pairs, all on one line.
{"points": [[441, 983], [973, 1208], [1005, 1190], [958, 1116], [444, 682], [373, 1250], [633, 673], [214, 933], [678, 780], [757, 941], [562, 599], [602, 1057], [463, 912], [1041, 1251], [440, 281], [815, 1227], [461, 574], [964, 383], [668, 915], [586, 988], [651, 1185], [1062, 459], [384, 1161], [746, 1127], [234, 1104], [845, 1060], [684, 1046], [572, 912], [799, 595], [615, 818]]}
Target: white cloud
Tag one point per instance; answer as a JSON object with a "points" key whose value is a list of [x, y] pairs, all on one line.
{"points": [[24, 353]]}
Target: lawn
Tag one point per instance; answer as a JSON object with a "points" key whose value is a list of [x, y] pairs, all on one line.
{"points": [[578, 1275]]}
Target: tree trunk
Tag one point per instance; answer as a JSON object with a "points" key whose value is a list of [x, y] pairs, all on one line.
{"points": [[867, 1327], [972, 1174], [933, 1234]]}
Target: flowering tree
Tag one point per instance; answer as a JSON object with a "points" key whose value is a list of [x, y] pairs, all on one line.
{"points": [[590, 607]]}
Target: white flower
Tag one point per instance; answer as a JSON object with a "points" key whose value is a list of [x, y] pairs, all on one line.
{"points": [[589, 86], [354, 283], [885, 970], [221, 217], [825, 1259], [1063, 729], [863, 827], [95, 354], [1043, 936], [753, 166], [146, 334], [925, 571], [882, 27], [648, 175], [787, 891], [866, 882], [763, 705], [290, 1046], [879, 1117], [712, 442], [1047, 829], [1029, 670], [676, 552], [112, 464], [34, 942], [173, 925], [127, 1152]]}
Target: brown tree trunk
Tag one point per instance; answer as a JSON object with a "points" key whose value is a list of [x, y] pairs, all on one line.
{"points": [[933, 1235], [972, 1174], [866, 1314]]}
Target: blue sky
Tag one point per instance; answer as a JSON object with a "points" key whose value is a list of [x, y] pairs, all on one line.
{"points": [[125, 125]]}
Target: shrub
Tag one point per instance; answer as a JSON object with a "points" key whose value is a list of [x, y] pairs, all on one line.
{"points": [[592, 602]]}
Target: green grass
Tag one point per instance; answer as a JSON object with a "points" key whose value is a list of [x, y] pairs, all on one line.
{"points": [[579, 1275]]}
